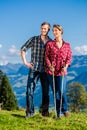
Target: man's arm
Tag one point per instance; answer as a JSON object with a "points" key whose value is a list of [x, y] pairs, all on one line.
{"points": [[23, 56], [23, 51]]}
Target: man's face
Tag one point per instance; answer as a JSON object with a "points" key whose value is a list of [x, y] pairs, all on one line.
{"points": [[44, 30]]}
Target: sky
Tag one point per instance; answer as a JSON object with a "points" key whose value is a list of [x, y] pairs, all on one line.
{"points": [[21, 19]]}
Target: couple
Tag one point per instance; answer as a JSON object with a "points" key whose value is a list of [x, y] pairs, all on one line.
{"points": [[47, 57]]}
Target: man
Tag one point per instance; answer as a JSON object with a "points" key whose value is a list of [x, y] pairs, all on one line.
{"points": [[36, 71]]}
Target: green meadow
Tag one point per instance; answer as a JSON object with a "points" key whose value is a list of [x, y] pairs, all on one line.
{"points": [[15, 120]]}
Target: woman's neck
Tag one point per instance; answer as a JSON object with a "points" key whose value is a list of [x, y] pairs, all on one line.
{"points": [[59, 40]]}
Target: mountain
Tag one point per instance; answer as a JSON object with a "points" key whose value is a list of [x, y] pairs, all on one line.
{"points": [[10, 68], [18, 74], [81, 78]]}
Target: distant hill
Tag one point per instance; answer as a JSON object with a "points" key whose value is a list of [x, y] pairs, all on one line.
{"points": [[10, 68], [81, 78], [18, 73]]}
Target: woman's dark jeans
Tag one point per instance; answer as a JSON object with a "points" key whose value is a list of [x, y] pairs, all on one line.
{"points": [[60, 92]]}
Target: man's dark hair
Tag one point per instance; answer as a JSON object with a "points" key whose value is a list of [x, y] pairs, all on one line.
{"points": [[46, 23]]}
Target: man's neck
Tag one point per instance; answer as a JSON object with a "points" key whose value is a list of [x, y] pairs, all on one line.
{"points": [[44, 38]]}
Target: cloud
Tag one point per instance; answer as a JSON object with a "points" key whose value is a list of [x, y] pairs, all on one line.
{"points": [[13, 51], [81, 50], [3, 60], [0, 45], [11, 56]]}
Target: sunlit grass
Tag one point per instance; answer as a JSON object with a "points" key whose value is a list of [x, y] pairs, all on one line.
{"points": [[15, 120]]}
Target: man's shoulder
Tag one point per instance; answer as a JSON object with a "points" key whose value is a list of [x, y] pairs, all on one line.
{"points": [[50, 42], [33, 38], [36, 37]]}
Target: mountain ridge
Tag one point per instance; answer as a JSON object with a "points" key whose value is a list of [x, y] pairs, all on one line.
{"points": [[18, 74]]}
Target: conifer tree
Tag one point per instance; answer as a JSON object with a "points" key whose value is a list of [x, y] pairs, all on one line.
{"points": [[7, 96], [1, 76]]}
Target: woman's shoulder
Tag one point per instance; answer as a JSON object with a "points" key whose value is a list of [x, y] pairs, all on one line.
{"points": [[51, 42], [66, 43]]}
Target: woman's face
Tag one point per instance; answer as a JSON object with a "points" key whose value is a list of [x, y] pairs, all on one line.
{"points": [[56, 32]]}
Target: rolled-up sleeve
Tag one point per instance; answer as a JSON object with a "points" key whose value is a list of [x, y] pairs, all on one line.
{"points": [[69, 55], [28, 44]]}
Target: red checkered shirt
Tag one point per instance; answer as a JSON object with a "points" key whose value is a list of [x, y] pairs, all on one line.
{"points": [[57, 56]]}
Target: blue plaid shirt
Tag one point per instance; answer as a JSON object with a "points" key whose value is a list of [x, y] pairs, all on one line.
{"points": [[37, 52]]}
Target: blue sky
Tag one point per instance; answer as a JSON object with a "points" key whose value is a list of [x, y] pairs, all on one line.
{"points": [[21, 19]]}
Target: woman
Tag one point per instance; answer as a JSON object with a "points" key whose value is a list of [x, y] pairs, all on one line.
{"points": [[58, 57]]}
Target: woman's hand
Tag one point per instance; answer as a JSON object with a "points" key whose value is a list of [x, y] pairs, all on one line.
{"points": [[52, 69], [64, 69]]}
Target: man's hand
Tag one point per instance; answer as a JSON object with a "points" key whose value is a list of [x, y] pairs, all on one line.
{"points": [[29, 65]]}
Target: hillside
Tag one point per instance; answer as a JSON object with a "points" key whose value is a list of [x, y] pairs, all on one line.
{"points": [[18, 73], [15, 120]]}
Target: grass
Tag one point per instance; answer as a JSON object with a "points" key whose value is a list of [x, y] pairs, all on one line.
{"points": [[15, 120]]}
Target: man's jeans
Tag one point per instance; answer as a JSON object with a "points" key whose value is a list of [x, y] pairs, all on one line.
{"points": [[60, 89], [33, 77]]}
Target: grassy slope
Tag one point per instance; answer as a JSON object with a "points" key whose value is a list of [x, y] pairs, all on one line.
{"points": [[14, 120]]}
